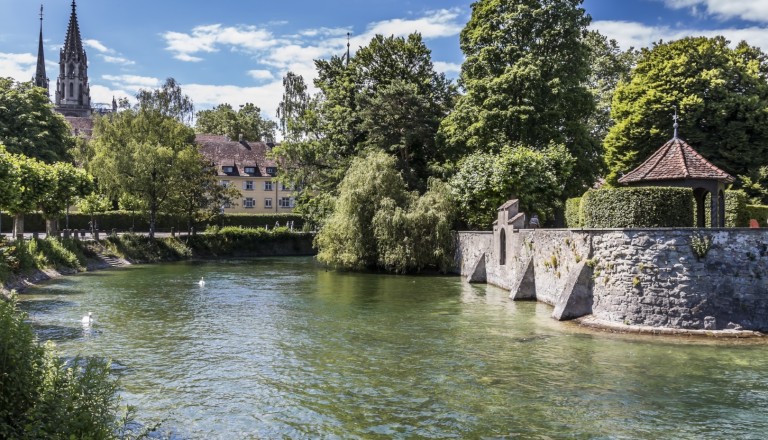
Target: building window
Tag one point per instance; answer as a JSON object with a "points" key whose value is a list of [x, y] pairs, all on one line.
{"points": [[268, 185], [249, 203], [227, 205], [285, 187], [228, 169], [250, 170], [267, 203], [286, 202], [225, 183], [271, 171], [71, 90], [248, 185]]}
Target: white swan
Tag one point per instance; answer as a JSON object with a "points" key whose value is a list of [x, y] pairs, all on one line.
{"points": [[87, 319], [201, 282]]}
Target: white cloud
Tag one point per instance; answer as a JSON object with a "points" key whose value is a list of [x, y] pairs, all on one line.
{"points": [[210, 38], [132, 83], [96, 44], [633, 34], [117, 60], [436, 24], [750, 10], [261, 75], [19, 66], [266, 97], [447, 68], [103, 95]]}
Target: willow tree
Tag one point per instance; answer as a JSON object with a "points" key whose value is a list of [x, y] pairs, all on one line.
{"points": [[720, 93], [525, 73]]}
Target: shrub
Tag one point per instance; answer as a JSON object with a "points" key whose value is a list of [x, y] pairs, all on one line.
{"points": [[142, 249], [41, 397], [574, 217], [232, 240], [736, 215], [638, 207], [759, 213]]}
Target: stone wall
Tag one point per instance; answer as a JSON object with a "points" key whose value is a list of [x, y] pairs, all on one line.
{"points": [[650, 277]]}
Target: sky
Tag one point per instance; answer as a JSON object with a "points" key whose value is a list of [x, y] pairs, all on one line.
{"points": [[237, 51]]}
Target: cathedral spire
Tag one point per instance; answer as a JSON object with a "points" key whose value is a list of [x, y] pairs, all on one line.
{"points": [[41, 79], [73, 45]]}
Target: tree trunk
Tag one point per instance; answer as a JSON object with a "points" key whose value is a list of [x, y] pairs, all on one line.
{"points": [[18, 224], [52, 226], [152, 219]]}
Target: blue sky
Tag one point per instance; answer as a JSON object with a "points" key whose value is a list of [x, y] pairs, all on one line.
{"points": [[237, 51]]}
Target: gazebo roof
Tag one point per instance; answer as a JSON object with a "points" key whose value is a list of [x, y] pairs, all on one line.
{"points": [[676, 160]]}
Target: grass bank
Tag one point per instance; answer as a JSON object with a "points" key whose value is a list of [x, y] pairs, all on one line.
{"points": [[29, 261]]}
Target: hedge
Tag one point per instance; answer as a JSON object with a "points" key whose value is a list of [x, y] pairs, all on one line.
{"points": [[573, 213], [125, 220], [638, 207], [759, 213]]}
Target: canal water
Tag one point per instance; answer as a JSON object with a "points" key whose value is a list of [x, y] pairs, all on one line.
{"points": [[282, 348]]}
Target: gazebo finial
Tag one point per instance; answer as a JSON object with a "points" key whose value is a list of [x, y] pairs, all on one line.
{"points": [[676, 125]]}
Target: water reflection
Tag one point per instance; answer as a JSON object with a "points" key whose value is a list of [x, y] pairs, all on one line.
{"points": [[279, 348]]}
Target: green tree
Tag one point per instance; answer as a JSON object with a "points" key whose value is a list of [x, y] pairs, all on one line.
{"points": [[347, 119], [93, 204], [525, 73], [138, 151], [377, 222], [755, 185], [29, 125], [295, 102], [484, 181], [35, 182], [721, 95], [247, 121], [168, 101], [68, 183], [41, 397]]}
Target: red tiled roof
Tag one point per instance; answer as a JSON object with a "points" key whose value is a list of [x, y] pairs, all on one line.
{"points": [[676, 160], [80, 126], [223, 151]]}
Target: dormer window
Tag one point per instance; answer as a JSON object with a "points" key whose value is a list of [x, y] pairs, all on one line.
{"points": [[228, 169], [250, 170], [271, 171]]}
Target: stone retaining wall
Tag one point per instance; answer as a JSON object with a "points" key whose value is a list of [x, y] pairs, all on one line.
{"points": [[648, 277]]}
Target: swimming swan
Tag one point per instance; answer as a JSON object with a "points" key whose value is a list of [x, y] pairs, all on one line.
{"points": [[201, 282], [87, 319]]}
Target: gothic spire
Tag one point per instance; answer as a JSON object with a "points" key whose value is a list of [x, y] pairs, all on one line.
{"points": [[41, 79], [73, 45]]}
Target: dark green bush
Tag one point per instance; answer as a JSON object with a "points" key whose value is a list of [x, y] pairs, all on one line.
{"points": [[142, 249], [759, 213], [573, 213], [638, 207], [41, 397], [736, 215], [237, 240]]}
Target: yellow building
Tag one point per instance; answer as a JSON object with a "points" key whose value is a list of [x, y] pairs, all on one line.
{"points": [[245, 166]]}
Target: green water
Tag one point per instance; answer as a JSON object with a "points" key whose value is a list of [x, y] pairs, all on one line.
{"points": [[280, 348]]}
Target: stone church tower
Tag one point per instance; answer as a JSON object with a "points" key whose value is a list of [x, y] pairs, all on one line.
{"points": [[73, 94]]}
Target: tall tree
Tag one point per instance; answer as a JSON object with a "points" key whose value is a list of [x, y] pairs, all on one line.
{"points": [[246, 121], [69, 183], [721, 95], [525, 75], [29, 125], [295, 102], [138, 151], [168, 101], [348, 117]]}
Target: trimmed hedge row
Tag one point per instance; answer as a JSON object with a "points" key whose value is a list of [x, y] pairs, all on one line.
{"points": [[573, 213], [641, 207], [125, 220]]}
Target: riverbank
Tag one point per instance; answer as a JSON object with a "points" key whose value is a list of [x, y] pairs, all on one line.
{"points": [[38, 260]]}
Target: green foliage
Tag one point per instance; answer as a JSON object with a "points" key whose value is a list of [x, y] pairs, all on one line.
{"points": [[246, 121], [18, 257], [235, 240], [638, 207], [376, 222], [755, 184], [700, 245], [484, 181], [721, 94], [574, 216], [759, 213], [143, 249], [29, 125], [525, 69], [42, 397]]}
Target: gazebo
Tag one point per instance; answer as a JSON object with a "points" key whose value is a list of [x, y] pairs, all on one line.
{"points": [[678, 164]]}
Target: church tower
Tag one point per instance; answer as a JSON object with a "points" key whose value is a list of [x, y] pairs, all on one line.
{"points": [[41, 79], [73, 94]]}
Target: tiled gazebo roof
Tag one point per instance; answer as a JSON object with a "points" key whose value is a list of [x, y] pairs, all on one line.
{"points": [[676, 160]]}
